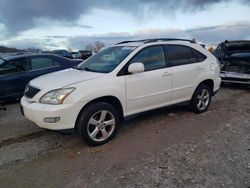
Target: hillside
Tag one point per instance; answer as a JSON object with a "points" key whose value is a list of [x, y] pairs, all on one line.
{"points": [[4, 49]]}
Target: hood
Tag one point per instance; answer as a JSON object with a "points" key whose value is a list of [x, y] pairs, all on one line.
{"points": [[63, 78]]}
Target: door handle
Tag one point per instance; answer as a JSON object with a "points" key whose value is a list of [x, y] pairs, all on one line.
{"points": [[166, 74]]}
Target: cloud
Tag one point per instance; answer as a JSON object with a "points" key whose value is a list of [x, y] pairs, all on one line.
{"points": [[207, 35], [237, 31], [45, 43], [18, 16], [25, 44]]}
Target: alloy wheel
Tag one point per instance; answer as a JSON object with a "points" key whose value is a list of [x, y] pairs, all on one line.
{"points": [[203, 99], [101, 125]]}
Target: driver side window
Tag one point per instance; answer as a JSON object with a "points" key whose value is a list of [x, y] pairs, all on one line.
{"points": [[152, 58], [13, 66]]}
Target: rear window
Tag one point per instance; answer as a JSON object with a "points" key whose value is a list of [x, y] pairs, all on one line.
{"points": [[41, 62]]}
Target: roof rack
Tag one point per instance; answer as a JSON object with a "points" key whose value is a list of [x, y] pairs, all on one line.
{"points": [[157, 40], [127, 41]]}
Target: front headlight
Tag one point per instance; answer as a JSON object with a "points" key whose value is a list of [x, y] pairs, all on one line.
{"points": [[56, 96]]}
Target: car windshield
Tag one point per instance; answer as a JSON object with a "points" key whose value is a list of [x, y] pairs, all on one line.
{"points": [[1, 61], [106, 60]]}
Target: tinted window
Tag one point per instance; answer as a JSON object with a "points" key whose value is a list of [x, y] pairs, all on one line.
{"points": [[177, 55], [13, 66], [41, 62], [181, 55], [199, 56], [56, 63], [151, 57]]}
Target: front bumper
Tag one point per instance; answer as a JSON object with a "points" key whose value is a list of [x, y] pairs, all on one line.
{"points": [[37, 112]]}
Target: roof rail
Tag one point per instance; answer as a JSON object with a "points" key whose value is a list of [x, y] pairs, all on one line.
{"points": [[127, 41], [170, 39], [158, 39]]}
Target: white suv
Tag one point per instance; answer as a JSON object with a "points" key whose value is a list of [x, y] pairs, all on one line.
{"points": [[125, 79]]}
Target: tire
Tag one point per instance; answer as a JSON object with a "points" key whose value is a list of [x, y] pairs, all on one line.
{"points": [[98, 123], [201, 99]]}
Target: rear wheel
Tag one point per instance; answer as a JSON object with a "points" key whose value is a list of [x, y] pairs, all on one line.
{"points": [[201, 99], [98, 123]]}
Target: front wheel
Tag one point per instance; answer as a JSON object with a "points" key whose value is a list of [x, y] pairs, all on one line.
{"points": [[201, 99], [98, 123]]}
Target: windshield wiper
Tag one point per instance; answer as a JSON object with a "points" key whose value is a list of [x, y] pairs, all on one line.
{"points": [[89, 70], [77, 68], [85, 69]]}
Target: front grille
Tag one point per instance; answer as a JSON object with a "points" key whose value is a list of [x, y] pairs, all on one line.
{"points": [[30, 91]]}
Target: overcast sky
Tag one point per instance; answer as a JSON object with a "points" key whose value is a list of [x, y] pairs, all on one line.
{"points": [[50, 24]]}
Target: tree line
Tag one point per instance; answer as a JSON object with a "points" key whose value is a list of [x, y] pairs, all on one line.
{"points": [[4, 49]]}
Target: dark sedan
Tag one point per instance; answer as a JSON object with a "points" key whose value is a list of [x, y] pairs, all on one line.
{"points": [[17, 71]]}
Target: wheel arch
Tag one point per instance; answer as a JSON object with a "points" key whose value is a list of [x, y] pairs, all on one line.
{"points": [[207, 82], [114, 101]]}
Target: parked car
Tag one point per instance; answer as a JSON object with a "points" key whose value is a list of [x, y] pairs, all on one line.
{"points": [[119, 81], [63, 53], [17, 71], [76, 55], [85, 54], [234, 57]]}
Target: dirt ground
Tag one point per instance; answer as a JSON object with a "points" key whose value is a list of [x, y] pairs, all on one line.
{"points": [[170, 147]]}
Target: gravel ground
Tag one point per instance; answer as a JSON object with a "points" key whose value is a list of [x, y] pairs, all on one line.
{"points": [[221, 159], [163, 148]]}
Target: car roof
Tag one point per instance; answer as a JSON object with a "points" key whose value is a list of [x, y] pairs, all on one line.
{"points": [[29, 55], [240, 45], [132, 44], [137, 43], [60, 50]]}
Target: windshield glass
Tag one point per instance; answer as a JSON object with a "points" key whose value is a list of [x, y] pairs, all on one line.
{"points": [[1, 61], [106, 60]]}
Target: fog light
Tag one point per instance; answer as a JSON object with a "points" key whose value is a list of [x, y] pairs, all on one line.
{"points": [[51, 119]]}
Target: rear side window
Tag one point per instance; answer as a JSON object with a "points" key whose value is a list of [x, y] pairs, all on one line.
{"points": [[199, 56], [41, 62], [177, 55], [182, 55], [152, 58]]}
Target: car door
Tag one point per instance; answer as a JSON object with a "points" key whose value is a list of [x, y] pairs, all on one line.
{"points": [[13, 78], [151, 88], [186, 65], [40, 65]]}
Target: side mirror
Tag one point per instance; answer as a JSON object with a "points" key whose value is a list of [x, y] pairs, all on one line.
{"points": [[136, 68]]}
